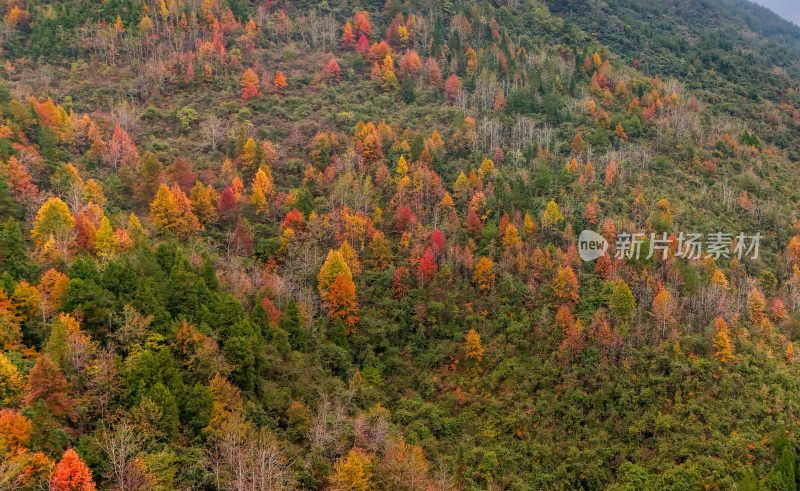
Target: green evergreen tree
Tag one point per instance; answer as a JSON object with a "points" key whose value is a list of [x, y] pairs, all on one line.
{"points": [[13, 258], [621, 301], [786, 467], [8, 207]]}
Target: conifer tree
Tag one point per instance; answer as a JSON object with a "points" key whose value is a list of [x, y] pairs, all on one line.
{"points": [[46, 384], [13, 258], [621, 302], [473, 348], [723, 347]]}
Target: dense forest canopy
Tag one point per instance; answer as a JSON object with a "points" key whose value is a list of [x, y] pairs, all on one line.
{"points": [[270, 245]]}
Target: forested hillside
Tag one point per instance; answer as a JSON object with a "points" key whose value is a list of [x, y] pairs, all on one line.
{"points": [[739, 57], [270, 245]]}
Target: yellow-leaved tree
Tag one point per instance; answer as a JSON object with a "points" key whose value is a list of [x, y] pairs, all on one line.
{"points": [[54, 221], [483, 274], [105, 243], [353, 472], [171, 211], [204, 202], [11, 382], [565, 286], [262, 190], [473, 348], [551, 215]]}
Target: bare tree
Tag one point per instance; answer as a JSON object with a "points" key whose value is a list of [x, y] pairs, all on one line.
{"points": [[124, 116], [523, 133], [213, 129], [133, 327], [491, 134], [371, 430], [122, 443], [246, 460], [103, 382], [319, 31], [485, 89], [328, 424]]}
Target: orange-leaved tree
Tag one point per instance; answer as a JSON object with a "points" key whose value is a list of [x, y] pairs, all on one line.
{"points": [[663, 308], [279, 82], [348, 39], [362, 23], [332, 71], [250, 84], [723, 347], [452, 88], [404, 466], [336, 287], [15, 432], [72, 474]]}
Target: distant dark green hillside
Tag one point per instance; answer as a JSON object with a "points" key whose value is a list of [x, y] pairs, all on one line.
{"points": [[740, 57]]}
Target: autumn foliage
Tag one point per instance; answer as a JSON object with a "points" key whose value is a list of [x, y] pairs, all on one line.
{"points": [[71, 474], [332, 71], [452, 88], [565, 285], [353, 472], [279, 81], [473, 347], [336, 287], [723, 346], [483, 274], [48, 386], [15, 432], [171, 211], [250, 85], [310, 245]]}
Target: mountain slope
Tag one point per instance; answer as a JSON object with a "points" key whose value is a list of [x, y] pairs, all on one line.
{"points": [[246, 247], [738, 56]]}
